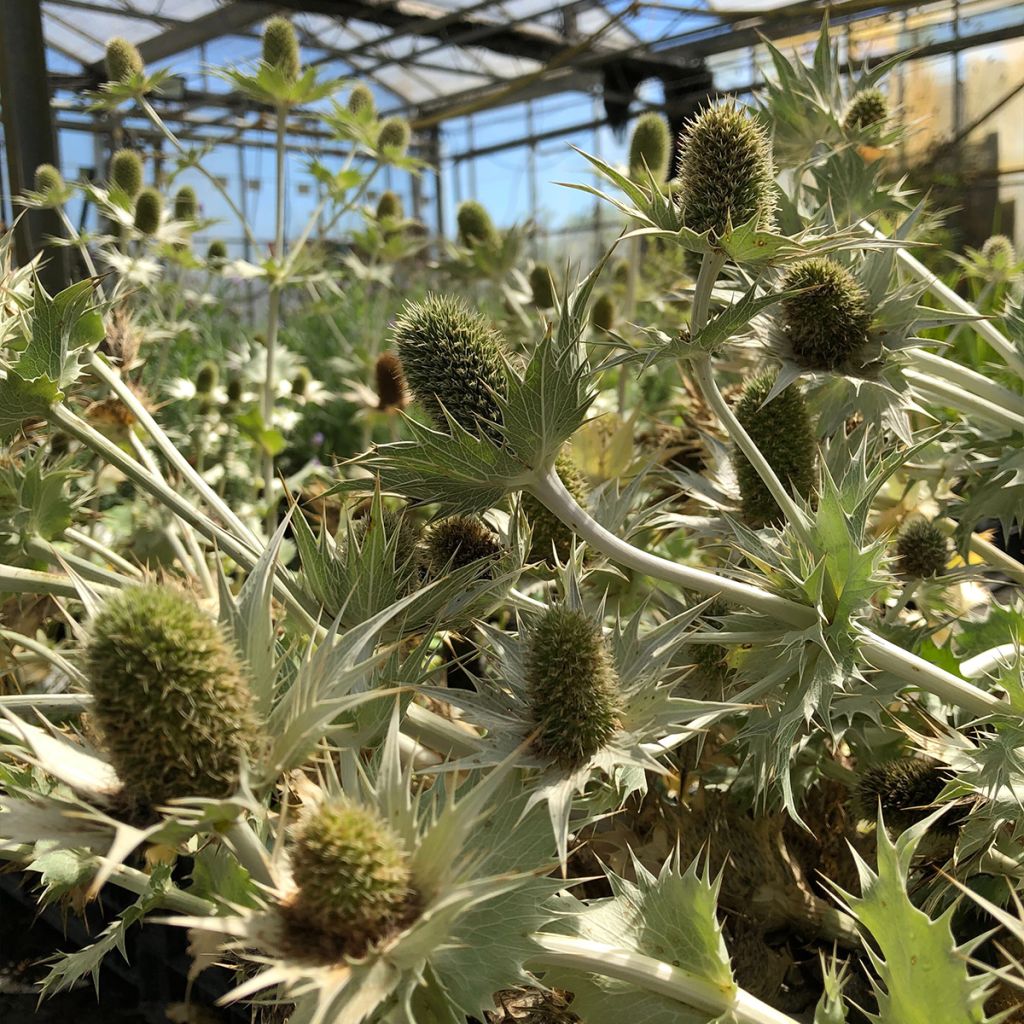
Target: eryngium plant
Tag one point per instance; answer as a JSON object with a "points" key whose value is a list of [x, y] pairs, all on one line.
{"points": [[126, 172], [281, 48], [650, 146], [922, 550], [867, 112], [149, 206], [122, 61]]}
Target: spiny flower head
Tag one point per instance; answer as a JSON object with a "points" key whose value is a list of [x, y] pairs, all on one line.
{"points": [[782, 432], [392, 392], [352, 875], [281, 48], [217, 254], [126, 172], [171, 700], [999, 251], [123, 60], [300, 382], [548, 533], [206, 377], [725, 170], [395, 524], [827, 324], [868, 111], [922, 550], [452, 359], [905, 788], [711, 660], [48, 180], [360, 99], [149, 205], [394, 136], [542, 286], [650, 144], [572, 686], [458, 541], [389, 206], [475, 224], [185, 203], [603, 312]]}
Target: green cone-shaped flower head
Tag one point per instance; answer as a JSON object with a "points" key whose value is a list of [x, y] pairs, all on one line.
{"points": [[726, 172], [300, 382], [281, 48], [392, 392], [603, 312], [475, 225], [148, 207], [650, 144], [393, 139], [826, 326], [206, 377], [572, 686], [185, 204], [459, 541], [867, 113], [217, 254], [782, 432], [547, 532], [126, 172], [998, 251], [361, 99], [452, 358], [123, 60], [172, 703], [542, 286], [352, 875], [904, 787], [234, 390], [389, 206], [48, 180], [922, 550]]}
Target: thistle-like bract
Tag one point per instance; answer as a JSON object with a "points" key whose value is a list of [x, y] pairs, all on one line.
{"points": [[281, 48], [217, 254], [726, 172], [126, 172], [392, 392], [867, 112], [475, 224], [827, 324], [782, 432], [185, 204], [360, 99], [394, 136], [48, 180], [452, 359], [206, 377], [711, 660], [905, 788], [572, 686], [122, 61], [999, 251], [542, 286], [603, 312], [395, 524], [459, 541], [148, 207], [650, 144], [922, 550], [171, 701], [548, 532], [352, 875], [389, 206]]}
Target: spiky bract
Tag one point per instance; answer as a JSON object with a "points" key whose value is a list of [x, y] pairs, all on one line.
{"points": [[206, 377], [122, 61], [281, 48], [650, 145], [867, 113], [393, 139], [361, 99], [826, 325], [394, 524], [726, 171], [392, 392], [217, 254], [148, 207], [572, 686], [126, 172], [603, 312], [389, 206], [475, 225], [782, 432], [713, 670], [186, 205], [458, 541], [452, 359], [172, 704], [542, 286], [352, 874], [999, 251], [48, 180], [548, 532], [905, 788], [922, 550]]}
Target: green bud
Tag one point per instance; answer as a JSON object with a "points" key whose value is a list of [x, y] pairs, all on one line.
{"points": [[452, 358], [389, 206], [392, 392], [234, 390], [998, 251], [352, 875], [185, 204], [217, 254], [360, 99], [711, 660], [394, 524], [922, 550], [620, 272], [475, 225], [300, 382], [172, 704], [827, 325], [206, 377], [548, 532], [48, 180], [123, 61], [867, 113], [542, 286], [782, 432], [905, 788], [393, 139], [281, 48], [572, 686], [126, 172], [726, 171], [148, 206], [460, 541], [603, 312], [650, 144]]}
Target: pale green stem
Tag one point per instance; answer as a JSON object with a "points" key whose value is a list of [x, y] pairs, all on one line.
{"points": [[650, 975], [955, 396], [44, 652], [82, 248], [892, 613], [102, 551], [970, 380], [39, 548], [174, 539], [982, 297], [15, 580], [199, 560], [47, 702], [438, 734], [987, 551], [250, 851], [629, 313]]}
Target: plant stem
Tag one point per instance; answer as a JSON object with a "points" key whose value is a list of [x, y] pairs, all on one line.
{"points": [[44, 652], [954, 395], [102, 551], [15, 580], [892, 613], [250, 851], [629, 313], [39, 548], [970, 380]]}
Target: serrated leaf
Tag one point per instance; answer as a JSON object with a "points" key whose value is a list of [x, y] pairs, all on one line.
{"points": [[22, 400]]}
